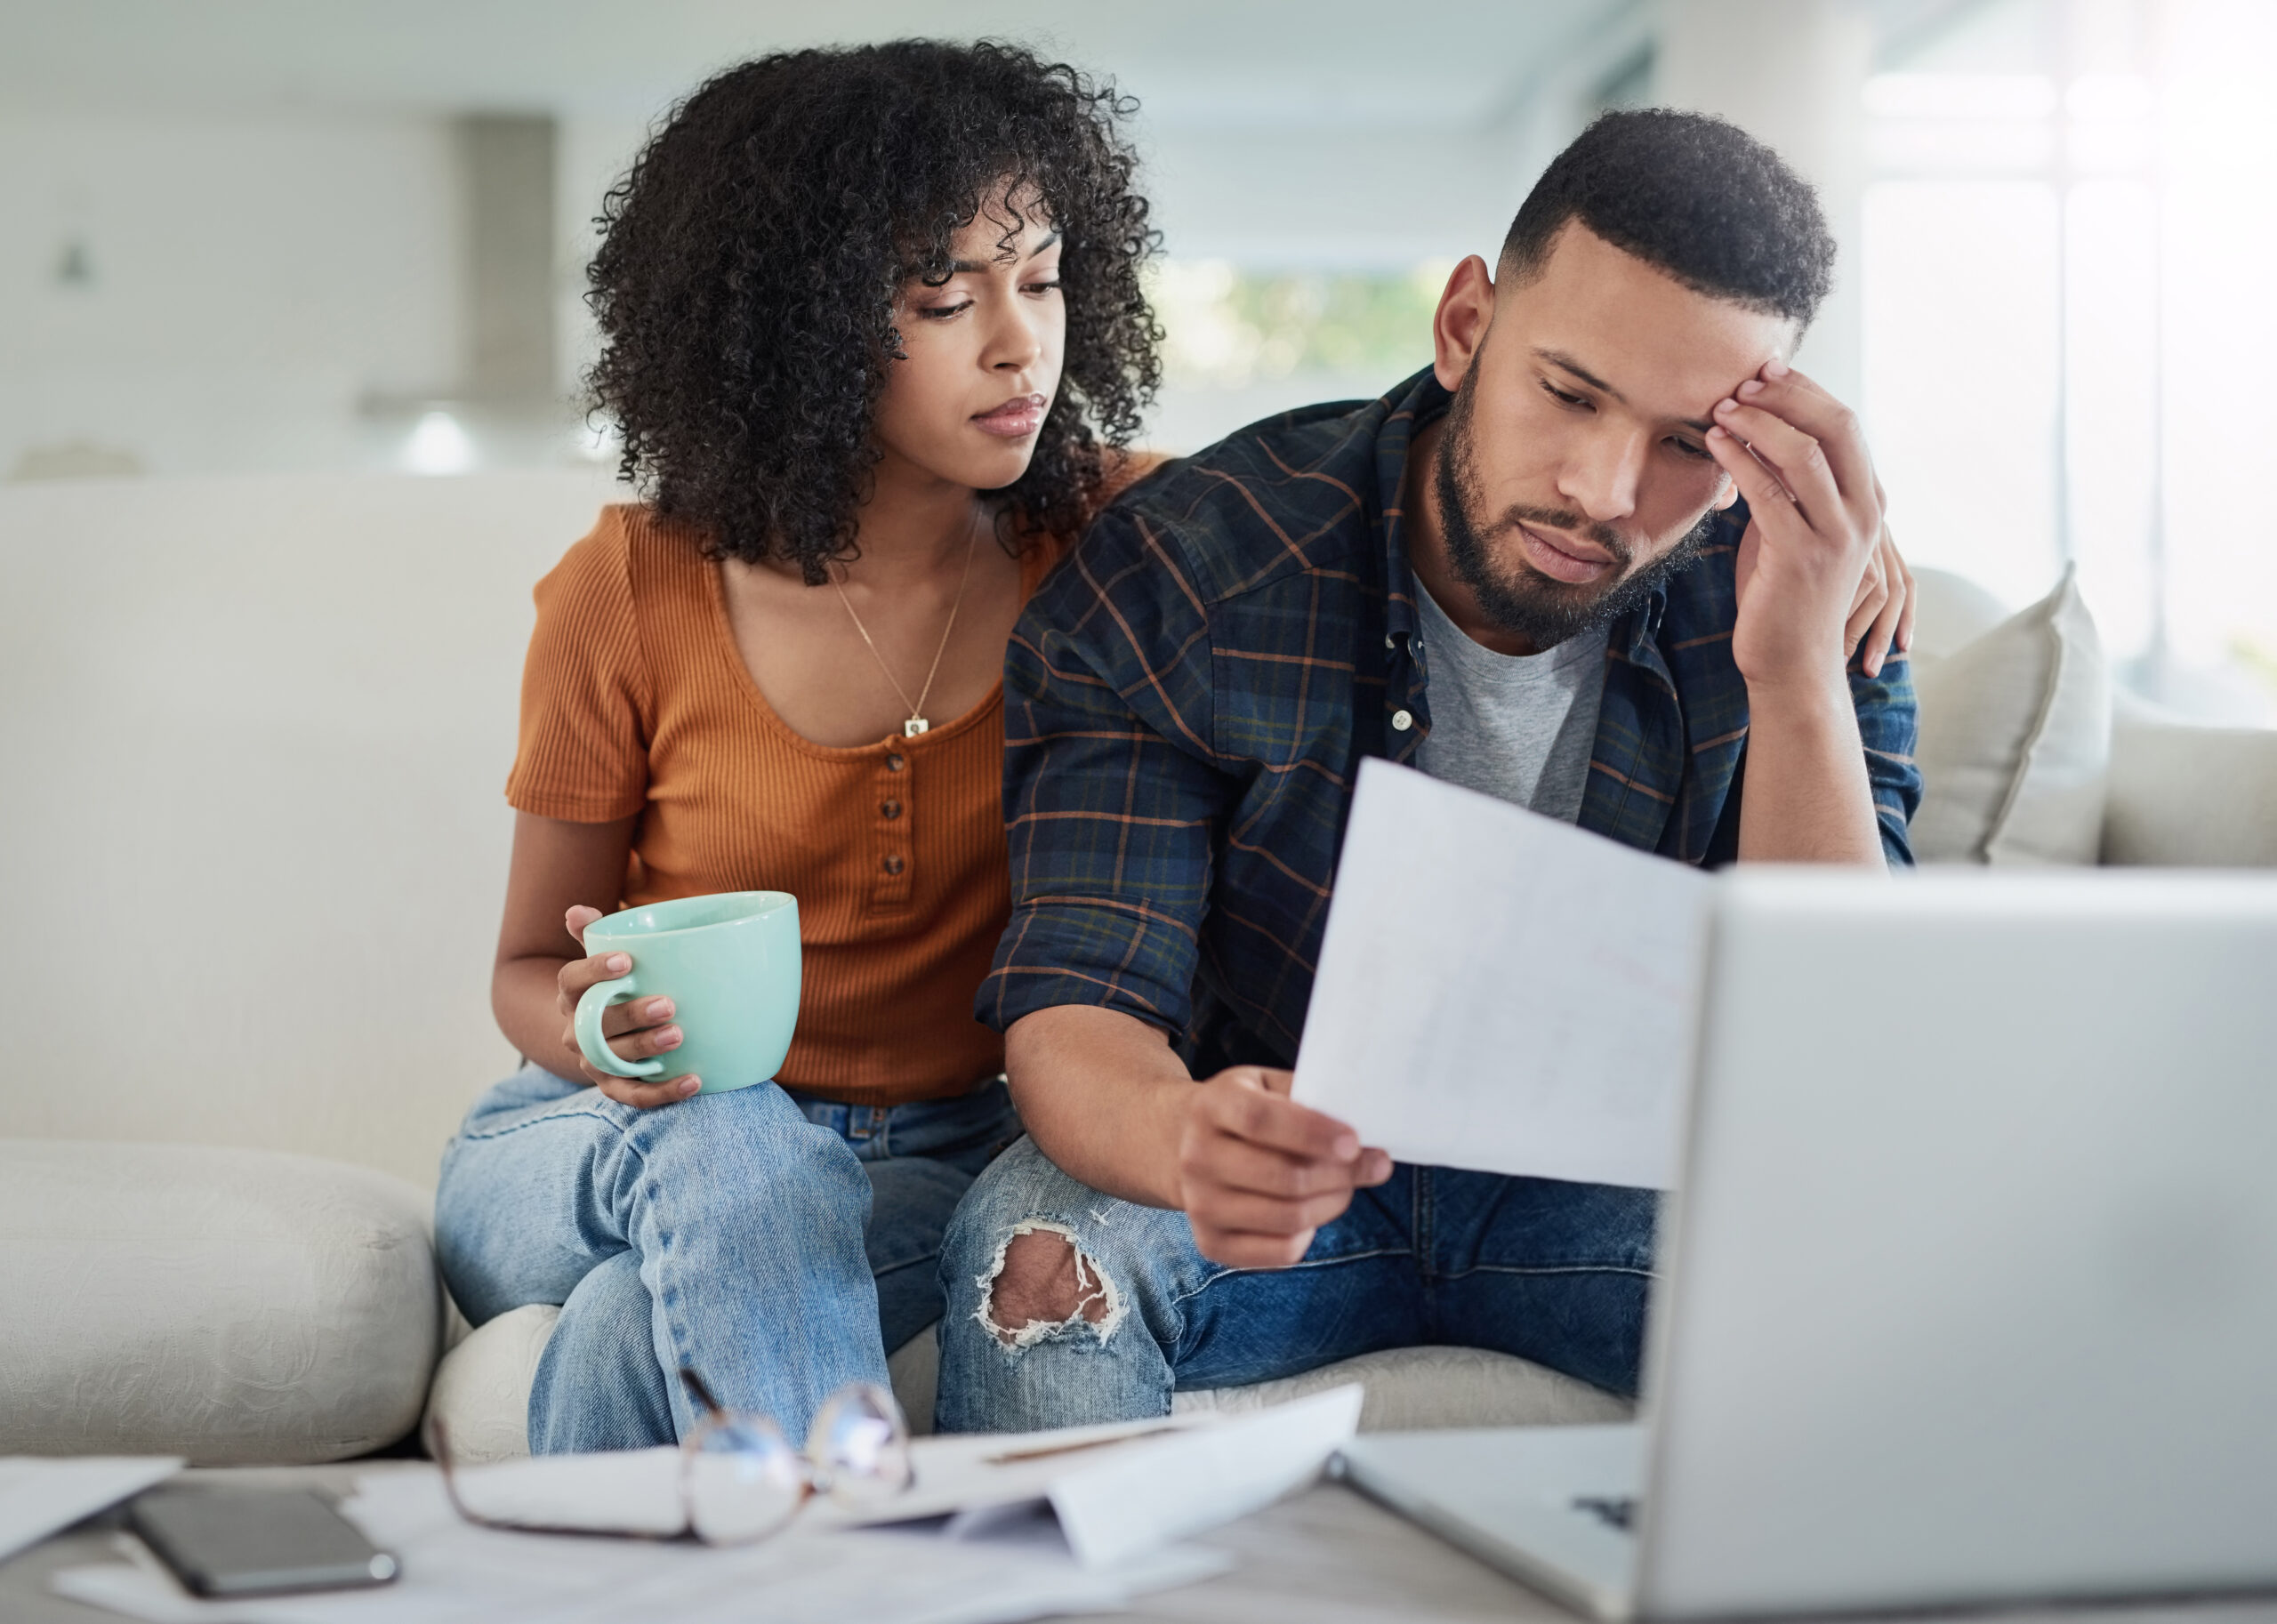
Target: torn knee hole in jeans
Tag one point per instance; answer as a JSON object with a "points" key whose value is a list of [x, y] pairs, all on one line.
{"points": [[1041, 1284]]}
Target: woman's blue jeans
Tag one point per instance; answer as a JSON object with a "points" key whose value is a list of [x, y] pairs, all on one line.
{"points": [[777, 1244]]}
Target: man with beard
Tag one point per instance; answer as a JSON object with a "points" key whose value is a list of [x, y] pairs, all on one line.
{"points": [[1610, 559]]}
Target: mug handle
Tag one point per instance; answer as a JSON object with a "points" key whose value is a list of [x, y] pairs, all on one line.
{"points": [[596, 1000]]}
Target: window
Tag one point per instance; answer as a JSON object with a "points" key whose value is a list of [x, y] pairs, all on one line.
{"points": [[2066, 334], [1242, 343]]}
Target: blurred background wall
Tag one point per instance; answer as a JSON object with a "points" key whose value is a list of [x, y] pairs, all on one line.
{"points": [[249, 235]]}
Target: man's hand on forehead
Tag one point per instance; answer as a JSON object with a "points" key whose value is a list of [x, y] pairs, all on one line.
{"points": [[1816, 539]]}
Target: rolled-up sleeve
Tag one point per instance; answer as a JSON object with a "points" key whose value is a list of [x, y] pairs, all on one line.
{"points": [[1113, 796], [1886, 726]]}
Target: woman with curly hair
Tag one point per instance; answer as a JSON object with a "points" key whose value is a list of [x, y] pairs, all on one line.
{"points": [[873, 336]]}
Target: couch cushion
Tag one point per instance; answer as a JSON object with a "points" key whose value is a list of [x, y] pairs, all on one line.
{"points": [[1410, 1388], [1950, 612], [2015, 741], [2187, 795], [230, 1306], [482, 1389], [481, 1392], [253, 703]]}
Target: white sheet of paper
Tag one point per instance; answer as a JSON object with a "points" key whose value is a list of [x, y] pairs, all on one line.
{"points": [[959, 1473], [639, 1490], [454, 1572], [1119, 1498], [40, 1495], [1140, 1499], [1123, 1489], [631, 1490], [1503, 992]]}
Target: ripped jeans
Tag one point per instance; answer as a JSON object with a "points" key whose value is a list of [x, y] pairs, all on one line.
{"points": [[1552, 1272]]}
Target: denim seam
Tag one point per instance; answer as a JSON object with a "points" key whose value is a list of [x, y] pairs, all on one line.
{"points": [[1307, 1263], [1427, 1227], [1550, 1268], [668, 1298], [1425, 1233], [556, 1115]]}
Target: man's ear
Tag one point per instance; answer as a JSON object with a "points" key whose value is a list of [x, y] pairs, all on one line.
{"points": [[1459, 326]]}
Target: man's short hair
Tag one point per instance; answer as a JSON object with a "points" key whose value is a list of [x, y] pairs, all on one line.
{"points": [[1691, 195]]}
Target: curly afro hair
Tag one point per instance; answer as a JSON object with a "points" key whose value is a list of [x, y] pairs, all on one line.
{"points": [[750, 260], [1695, 196]]}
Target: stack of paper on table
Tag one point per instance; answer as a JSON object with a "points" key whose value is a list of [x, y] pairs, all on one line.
{"points": [[456, 1573], [1503, 992], [997, 1527], [41, 1495], [1119, 1491]]}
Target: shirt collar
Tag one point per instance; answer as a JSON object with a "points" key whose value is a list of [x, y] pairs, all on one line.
{"points": [[1415, 404]]}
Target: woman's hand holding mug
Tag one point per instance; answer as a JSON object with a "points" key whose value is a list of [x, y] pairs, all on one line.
{"points": [[726, 963], [641, 1030]]}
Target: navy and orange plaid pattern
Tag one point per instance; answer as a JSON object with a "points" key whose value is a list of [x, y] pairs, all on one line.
{"points": [[1189, 695]]}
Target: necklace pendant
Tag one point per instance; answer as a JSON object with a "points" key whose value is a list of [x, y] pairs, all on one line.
{"points": [[914, 725]]}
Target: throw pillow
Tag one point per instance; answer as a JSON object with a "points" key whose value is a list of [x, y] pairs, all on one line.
{"points": [[2014, 745]]}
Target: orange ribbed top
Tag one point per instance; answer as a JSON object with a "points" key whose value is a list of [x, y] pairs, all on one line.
{"points": [[636, 700]]}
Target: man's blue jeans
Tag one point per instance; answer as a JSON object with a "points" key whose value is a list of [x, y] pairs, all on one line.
{"points": [[1552, 1272], [777, 1244]]}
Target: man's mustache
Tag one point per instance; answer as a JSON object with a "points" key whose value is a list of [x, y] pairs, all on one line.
{"points": [[1616, 546]]}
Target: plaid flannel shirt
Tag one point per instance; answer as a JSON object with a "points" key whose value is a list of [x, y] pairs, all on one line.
{"points": [[1189, 694]]}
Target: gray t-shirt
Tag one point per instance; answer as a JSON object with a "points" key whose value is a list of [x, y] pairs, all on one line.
{"points": [[1516, 727]]}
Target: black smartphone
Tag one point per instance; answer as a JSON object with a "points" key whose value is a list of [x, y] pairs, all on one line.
{"points": [[241, 1543]]}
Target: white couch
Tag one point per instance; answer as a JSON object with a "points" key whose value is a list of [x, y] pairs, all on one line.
{"points": [[255, 733]]}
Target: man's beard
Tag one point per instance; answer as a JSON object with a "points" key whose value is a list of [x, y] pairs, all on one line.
{"points": [[1523, 602]]}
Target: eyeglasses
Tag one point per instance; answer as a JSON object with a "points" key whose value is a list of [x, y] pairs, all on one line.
{"points": [[740, 1480]]}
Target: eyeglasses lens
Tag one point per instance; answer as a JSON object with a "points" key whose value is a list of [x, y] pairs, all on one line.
{"points": [[744, 1480], [860, 1445]]}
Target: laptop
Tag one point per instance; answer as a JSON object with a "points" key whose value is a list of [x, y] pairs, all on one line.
{"points": [[1969, 1293]]}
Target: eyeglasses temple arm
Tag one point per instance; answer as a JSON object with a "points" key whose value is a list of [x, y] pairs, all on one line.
{"points": [[439, 1439], [700, 1393]]}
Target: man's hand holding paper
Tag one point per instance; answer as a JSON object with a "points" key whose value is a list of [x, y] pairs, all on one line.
{"points": [[1258, 1172]]}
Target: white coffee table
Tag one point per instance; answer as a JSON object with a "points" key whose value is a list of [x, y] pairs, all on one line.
{"points": [[1322, 1556], [1325, 1556]]}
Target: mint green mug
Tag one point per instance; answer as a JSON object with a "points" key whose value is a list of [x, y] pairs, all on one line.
{"points": [[728, 962]]}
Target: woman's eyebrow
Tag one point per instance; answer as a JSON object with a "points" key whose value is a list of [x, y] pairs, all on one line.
{"points": [[966, 268]]}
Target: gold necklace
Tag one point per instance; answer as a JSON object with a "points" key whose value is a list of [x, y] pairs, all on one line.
{"points": [[916, 723]]}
